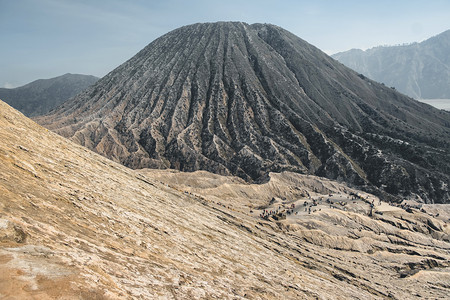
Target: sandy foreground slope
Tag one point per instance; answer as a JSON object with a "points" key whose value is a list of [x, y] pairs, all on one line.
{"points": [[75, 225]]}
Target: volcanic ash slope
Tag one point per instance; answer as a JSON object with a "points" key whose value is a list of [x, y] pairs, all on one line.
{"points": [[77, 225], [246, 100]]}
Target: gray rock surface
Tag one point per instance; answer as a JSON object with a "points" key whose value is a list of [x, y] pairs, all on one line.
{"points": [[233, 98], [420, 70], [42, 95]]}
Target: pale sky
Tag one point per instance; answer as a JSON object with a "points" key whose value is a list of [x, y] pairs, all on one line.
{"points": [[48, 38]]}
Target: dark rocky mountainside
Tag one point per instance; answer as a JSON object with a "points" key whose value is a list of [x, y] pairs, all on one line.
{"points": [[42, 95], [420, 70], [233, 98]]}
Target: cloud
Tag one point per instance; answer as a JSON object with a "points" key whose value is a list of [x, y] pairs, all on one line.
{"points": [[8, 85]]}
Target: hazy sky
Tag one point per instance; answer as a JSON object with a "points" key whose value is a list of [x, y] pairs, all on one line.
{"points": [[48, 38]]}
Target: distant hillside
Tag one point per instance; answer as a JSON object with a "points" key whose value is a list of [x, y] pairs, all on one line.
{"points": [[40, 96], [420, 70]]}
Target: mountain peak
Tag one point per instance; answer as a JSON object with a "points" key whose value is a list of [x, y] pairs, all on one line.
{"points": [[233, 98], [42, 95]]}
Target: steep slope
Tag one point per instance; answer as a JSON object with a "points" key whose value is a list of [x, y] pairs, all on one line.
{"points": [[420, 70], [40, 96], [75, 225], [233, 98]]}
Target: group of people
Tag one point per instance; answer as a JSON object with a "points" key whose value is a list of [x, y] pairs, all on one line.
{"points": [[267, 213], [279, 213]]}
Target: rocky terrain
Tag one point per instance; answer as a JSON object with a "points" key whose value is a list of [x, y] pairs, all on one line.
{"points": [[75, 225], [246, 100], [420, 70], [41, 96]]}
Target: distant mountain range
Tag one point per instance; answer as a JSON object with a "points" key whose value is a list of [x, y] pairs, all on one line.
{"points": [[420, 70], [40, 96], [247, 100]]}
